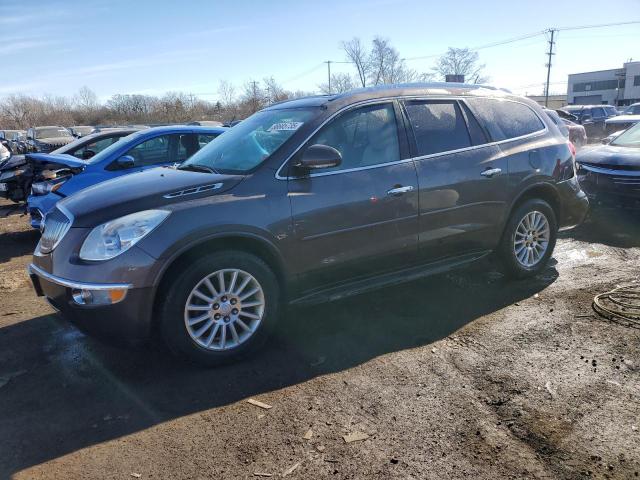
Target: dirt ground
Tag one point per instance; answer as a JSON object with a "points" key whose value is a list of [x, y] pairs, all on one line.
{"points": [[464, 375]]}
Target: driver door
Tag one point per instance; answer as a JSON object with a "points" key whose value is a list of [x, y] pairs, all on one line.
{"points": [[360, 218]]}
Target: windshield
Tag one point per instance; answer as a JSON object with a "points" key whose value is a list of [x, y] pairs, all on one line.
{"points": [[83, 130], [249, 143], [629, 138], [106, 153], [52, 132]]}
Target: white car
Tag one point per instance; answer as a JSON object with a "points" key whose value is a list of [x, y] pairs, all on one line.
{"points": [[5, 153], [621, 122]]}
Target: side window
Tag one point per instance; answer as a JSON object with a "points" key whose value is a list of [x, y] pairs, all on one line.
{"points": [[363, 136], [478, 135], [95, 147], [505, 119], [438, 126], [153, 151], [204, 139], [597, 112]]}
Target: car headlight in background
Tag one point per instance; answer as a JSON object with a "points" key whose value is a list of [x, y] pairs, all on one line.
{"points": [[42, 188], [110, 239]]}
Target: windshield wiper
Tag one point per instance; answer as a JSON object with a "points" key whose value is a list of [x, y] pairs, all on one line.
{"points": [[197, 168]]}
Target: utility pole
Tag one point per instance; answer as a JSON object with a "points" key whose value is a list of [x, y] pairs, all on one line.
{"points": [[329, 62], [550, 53]]}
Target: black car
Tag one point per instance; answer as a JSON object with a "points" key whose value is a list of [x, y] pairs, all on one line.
{"points": [[610, 174], [592, 118], [310, 200], [47, 139], [17, 173]]}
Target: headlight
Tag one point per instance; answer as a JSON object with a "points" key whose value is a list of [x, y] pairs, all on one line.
{"points": [[42, 188], [117, 236]]}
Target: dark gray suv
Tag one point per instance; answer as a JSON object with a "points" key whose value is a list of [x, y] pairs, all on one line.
{"points": [[306, 201]]}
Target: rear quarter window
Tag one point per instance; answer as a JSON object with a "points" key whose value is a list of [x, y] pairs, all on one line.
{"points": [[505, 119]]}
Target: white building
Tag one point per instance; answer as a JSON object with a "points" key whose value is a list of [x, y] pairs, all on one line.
{"points": [[619, 86]]}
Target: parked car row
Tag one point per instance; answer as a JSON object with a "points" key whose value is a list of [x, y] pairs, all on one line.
{"points": [[306, 201], [574, 132], [18, 173], [48, 138]]}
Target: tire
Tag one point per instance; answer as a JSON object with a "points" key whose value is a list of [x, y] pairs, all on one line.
{"points": [[184, 338], [528, 264]]}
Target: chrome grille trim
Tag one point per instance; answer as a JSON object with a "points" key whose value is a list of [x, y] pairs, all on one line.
{"points": [[56, 225]]}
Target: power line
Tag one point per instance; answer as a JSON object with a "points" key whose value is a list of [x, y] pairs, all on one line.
{"points": [[582, 27]]}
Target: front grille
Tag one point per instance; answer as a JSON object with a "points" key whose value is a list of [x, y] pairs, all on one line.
{"points": [[56, 225]]}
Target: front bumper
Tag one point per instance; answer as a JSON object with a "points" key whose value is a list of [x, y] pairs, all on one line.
{"points": [[609, 188], [128, 318]]}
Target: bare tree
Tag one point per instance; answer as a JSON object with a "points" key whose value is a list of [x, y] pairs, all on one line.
{"points": [[227, 93], [86, 99], [357, 54], [461, 61], [274, 91], [253, 98], [340, 83]]}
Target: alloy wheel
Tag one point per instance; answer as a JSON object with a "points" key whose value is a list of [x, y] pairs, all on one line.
{"points": [[531, 239], [224, 309]]}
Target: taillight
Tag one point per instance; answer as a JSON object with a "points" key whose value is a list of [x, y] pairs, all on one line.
{"points": [[572, 149]]}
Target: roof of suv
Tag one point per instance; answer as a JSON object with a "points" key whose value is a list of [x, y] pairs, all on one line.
{"points": [[401, 89]]}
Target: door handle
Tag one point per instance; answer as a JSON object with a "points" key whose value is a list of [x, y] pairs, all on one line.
{"points": [[399, 190], [490, 172]]}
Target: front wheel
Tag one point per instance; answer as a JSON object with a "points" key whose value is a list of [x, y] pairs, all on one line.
{"points": [[220, 308], [529, 239]]}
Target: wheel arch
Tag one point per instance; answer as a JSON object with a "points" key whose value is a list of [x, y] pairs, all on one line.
{"points": [[544, 191], [244, 242]]}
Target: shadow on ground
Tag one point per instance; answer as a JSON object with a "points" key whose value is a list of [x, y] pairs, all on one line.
{"points": [[612, 228], [17, 244], [67, 384]]}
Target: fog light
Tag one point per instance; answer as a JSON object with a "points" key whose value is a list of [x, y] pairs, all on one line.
{"points": [[98, 297]]}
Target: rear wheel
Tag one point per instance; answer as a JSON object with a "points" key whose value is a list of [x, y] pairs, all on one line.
{"points": [[529, 239], [220, 308]]}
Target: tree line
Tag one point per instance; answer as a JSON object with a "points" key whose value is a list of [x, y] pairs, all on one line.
{"points": [[376, 64]]}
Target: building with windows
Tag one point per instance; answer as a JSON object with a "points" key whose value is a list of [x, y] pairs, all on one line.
{"points": [[618, 86]]}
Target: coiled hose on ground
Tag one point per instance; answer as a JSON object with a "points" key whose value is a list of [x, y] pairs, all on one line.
{"points": [[621, 305]]}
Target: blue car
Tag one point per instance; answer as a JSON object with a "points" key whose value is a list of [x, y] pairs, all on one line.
{"points": [[59, 176]]}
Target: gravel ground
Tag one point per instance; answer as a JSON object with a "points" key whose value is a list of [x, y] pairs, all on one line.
{"points": [[464, 375]]}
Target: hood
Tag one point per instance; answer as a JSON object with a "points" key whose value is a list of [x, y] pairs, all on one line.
{"points": [[56, 140], [610, 155], [153, 188], [58, 158], [623, 119]]}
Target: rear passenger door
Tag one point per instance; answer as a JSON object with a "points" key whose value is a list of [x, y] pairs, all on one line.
{"points": [[462, 179]]}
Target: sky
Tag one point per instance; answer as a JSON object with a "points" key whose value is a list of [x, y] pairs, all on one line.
{"points": [[150, 47]]}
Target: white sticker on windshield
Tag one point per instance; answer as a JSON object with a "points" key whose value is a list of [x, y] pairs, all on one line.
{"points": [[281, 126]]}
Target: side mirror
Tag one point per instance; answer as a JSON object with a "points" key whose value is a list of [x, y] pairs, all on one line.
{"points": [[126, 161], [87, 154], [319, 156]]}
